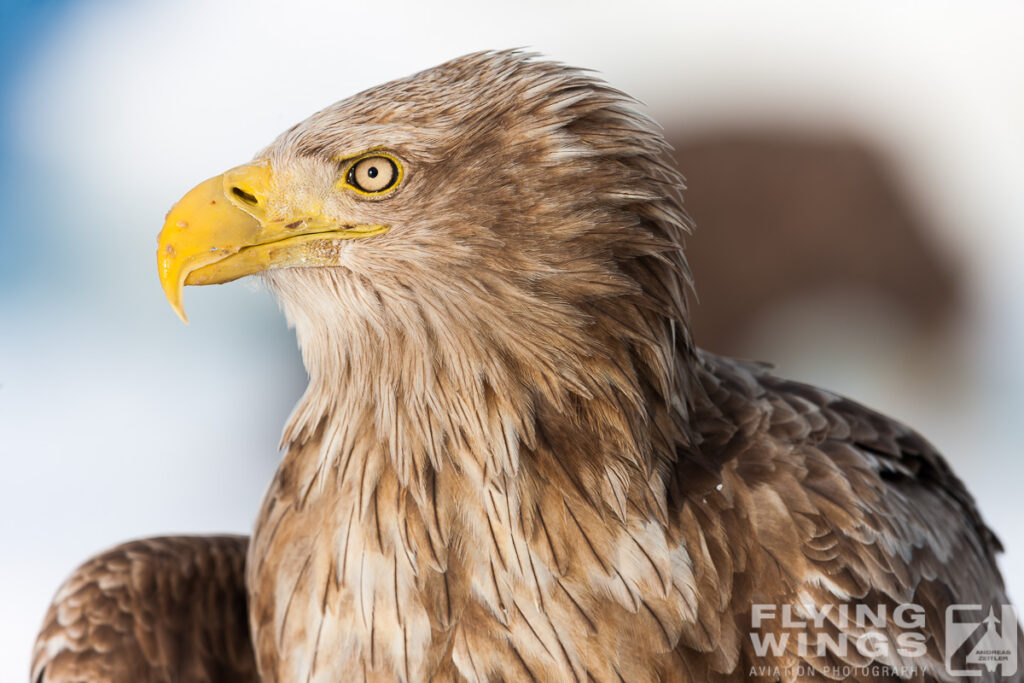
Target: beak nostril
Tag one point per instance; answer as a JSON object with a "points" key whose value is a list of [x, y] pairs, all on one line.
{"points": [[244, 196]]}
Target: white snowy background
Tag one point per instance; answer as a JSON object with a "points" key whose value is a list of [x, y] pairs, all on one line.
{"points": [[117, 421]]}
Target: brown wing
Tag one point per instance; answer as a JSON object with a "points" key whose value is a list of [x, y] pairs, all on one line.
{"points": [[156, 610], [806, 496]]}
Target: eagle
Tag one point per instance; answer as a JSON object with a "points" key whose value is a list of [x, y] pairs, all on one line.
{"points": [[512, 462]]}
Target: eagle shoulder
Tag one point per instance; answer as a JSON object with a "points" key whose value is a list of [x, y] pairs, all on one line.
{"points": [[802, 497], [156, 610]]}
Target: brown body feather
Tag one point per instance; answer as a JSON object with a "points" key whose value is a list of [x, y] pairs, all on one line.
{"points": [[512, 463]]}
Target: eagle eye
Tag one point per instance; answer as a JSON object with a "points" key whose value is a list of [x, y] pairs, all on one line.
{"points": [[374, 174]]}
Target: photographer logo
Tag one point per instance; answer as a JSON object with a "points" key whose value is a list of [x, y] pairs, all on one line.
{"points": [[976, 642]]}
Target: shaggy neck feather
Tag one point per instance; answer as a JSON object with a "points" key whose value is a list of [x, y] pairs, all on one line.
{"points": [[384, 380]]}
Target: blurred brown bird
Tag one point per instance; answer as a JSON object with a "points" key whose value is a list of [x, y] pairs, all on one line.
{"points": [[511, 462]]}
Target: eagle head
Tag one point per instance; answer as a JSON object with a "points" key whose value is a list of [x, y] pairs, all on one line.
{"points": [[497, 216]]}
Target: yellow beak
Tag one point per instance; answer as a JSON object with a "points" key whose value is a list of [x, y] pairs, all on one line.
{"points": [[224, 229]]}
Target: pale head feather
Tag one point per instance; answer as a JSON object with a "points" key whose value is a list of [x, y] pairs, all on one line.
{"points": [[533, 265]]}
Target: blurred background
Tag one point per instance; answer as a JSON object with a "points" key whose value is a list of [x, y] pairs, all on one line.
{"points": [[854, 172]]}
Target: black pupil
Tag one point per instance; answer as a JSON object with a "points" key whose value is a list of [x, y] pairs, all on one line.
{"points": [[372, 172]]}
